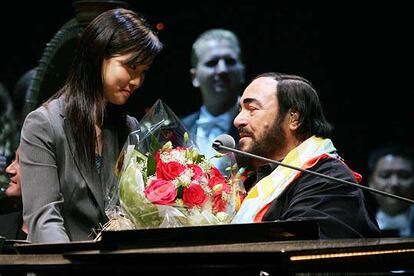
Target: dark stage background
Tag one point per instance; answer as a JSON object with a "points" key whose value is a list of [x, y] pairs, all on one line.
{"points": [[358, 58]]}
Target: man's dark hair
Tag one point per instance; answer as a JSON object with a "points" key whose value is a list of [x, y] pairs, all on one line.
{"points": [[297, 94]]}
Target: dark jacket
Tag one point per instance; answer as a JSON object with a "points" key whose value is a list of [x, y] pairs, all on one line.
{"points": [[11, 219], [340, 209], [63, 199]]}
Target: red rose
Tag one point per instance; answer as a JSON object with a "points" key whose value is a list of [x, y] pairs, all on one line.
{"points": [[194, 195], [218, 185], [160, 191], [219, 205], [170, 170], [216, 172], [198, 171], [157, 157]]}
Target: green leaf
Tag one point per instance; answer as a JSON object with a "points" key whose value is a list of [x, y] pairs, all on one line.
{"points": [[167, 145], [186, 138], [200, 157], [180, 192], [151, 165], [154, 145]]}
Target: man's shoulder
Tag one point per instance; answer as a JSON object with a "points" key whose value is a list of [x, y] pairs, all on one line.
{"points": [[190, 119], [331, 167]]}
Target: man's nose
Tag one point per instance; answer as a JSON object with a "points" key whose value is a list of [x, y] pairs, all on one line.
{"points": [[393, 180], [239, 120], [221, 66]]}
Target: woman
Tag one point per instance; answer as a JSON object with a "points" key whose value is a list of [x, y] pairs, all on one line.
{"points": [[70, 144]]}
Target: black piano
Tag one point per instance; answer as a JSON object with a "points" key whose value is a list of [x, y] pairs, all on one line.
{"points": [[271, 248]]}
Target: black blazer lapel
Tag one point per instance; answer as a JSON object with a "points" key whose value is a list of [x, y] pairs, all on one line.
{"points": [[90, 175], [108, 178]]}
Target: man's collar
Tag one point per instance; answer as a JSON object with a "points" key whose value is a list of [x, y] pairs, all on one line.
{"points": [[264, 170], [261, 172]]}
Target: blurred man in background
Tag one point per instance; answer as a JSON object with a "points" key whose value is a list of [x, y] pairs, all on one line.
{"points": [[217, 70]]}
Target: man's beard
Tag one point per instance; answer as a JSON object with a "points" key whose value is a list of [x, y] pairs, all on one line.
{"points": [[273, 141]]}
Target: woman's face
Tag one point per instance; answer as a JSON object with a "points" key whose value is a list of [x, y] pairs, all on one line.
{"points": [[120, 79], [14, 188]]}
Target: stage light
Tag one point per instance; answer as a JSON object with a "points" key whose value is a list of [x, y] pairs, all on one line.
{"points": [[160, 26]]}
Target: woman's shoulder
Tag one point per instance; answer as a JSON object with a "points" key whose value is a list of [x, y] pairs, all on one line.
{"points": [[44, 114], [51, 108], [44, 124]]}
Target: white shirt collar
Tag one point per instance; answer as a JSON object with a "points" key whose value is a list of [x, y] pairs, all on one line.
{"points": [[223, 120], [401, 222]]}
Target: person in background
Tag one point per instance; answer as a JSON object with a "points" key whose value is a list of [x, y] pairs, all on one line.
{"points": [[218, 71], [10, 208], [70, 144], [391, 169], [281, 119], [9, 135], [11, 221]]}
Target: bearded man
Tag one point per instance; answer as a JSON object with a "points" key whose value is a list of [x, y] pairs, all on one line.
{"points": [[281, 119]]}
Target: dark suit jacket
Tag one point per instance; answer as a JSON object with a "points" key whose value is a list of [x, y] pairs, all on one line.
{"points": [[63, 199], [340, 209], [11, 219]]}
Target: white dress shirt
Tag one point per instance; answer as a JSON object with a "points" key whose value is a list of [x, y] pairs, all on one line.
{"points": [[401, 222], [208, 128]]}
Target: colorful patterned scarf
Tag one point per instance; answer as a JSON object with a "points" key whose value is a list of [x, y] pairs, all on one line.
{"points": [[271, 186]]}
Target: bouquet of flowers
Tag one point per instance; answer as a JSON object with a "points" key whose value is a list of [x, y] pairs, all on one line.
{"points": [[166, 182]]}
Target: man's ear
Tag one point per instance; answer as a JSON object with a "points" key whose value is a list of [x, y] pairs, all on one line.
{"points": [[294, 120], [194, 79]]}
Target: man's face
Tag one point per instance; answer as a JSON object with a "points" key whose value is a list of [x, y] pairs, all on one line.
{"points": [[261, 132], [219, 72], [13, 170], [393, 174]]}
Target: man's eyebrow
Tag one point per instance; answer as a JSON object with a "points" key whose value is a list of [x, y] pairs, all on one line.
{"points": [[251, 100]]}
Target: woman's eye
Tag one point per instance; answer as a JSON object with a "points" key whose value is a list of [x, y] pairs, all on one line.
{"points": [[132, 66]]}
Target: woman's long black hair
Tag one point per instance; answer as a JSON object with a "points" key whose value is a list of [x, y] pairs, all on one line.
{"points": [[114, 32]]}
